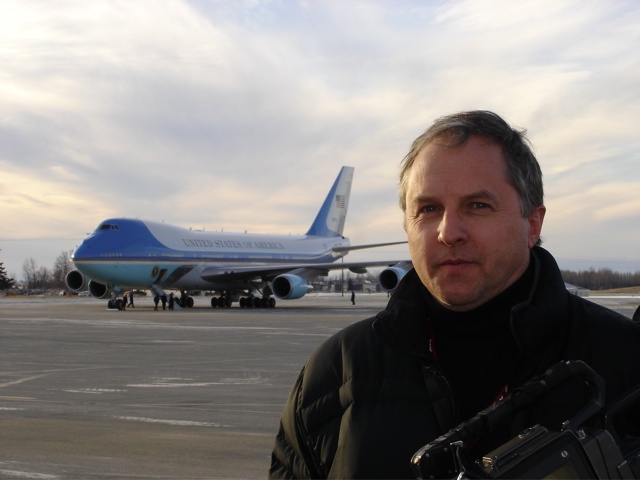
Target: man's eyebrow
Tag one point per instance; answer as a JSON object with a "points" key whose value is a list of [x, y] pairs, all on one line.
{"points": [[481, 195], [422, 198]]}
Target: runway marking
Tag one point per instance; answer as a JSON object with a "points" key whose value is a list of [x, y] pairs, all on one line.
{"points": [[179, 423], [95, 391], [172, 383], [173, 341], [306, 334], [18, 474], [242, 381], [21, 380]]}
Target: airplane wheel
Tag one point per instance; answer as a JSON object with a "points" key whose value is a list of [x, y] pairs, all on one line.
{"points": [[190, 302], [243, 302], [227, 302], [272, 302], [119, 304], [214, 302]]}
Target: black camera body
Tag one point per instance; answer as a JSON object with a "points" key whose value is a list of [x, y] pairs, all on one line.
{"points": [[594, 443], [540, 453]]}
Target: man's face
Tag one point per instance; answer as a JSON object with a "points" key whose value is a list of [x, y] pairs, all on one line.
{"points": [[467, 237]]}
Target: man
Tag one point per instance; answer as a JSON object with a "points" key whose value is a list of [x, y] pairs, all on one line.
{"points": [[484, 310]]}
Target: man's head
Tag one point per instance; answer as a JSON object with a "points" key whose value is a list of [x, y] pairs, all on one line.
{"points": [[471, 190], [522, 168]]}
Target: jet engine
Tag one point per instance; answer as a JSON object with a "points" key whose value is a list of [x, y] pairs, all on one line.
{"points": [[390, 277], [98, 290], [289, 286], [75, 281]]}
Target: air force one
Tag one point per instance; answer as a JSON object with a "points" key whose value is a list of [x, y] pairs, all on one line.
{"points": [[124, 254]]}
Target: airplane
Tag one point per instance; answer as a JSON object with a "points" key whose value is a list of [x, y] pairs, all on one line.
{"points": [[125, 254]]}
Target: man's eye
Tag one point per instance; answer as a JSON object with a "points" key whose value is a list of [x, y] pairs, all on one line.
{"points": [[428, 209], [479, 205]]}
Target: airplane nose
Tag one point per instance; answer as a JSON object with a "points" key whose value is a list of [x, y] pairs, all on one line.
{"points": [[82, 251]]}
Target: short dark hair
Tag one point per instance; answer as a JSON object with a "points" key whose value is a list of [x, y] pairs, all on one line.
{"points": [[522, 169]]}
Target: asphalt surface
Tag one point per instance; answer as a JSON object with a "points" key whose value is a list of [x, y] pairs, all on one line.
{"points": [[90, 393]]}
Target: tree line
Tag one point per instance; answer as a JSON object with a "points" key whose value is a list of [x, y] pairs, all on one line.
{"points": [[601, 279], [35, 276]]}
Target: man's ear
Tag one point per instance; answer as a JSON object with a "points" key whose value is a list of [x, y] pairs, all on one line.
{"points": [[535, 224]]}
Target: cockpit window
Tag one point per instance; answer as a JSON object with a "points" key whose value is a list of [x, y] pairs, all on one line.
{"points": [[107, 226]]}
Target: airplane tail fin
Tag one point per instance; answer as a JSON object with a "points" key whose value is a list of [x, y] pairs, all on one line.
{"points": [[330, 219]]}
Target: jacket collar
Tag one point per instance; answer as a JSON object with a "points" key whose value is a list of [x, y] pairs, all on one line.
{"points": [[404, 324], [540, 323], [536, 323]]}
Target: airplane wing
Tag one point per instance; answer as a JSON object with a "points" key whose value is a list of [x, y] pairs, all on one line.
{"points": [[217, 274], [370, 245]]}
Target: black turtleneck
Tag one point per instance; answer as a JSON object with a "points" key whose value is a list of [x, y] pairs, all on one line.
{"points": [[476, 349]]}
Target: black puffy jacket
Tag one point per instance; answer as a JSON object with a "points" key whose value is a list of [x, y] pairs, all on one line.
{"points": [[372, 394]]}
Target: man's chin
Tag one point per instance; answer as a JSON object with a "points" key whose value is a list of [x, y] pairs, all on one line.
{"points": [[458, 302]]}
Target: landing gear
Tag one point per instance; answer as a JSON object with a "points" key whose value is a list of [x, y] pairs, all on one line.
{"points": [[116, 304], [266, 301], [255, 302], [223, 301], [185, 301]]}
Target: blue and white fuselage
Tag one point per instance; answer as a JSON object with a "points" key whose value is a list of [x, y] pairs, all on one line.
{"points": [[124, 254], [134, 253]]}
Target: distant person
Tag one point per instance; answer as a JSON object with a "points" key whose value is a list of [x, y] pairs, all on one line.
{"points": [[156, 300], [171, 301], [131, 300], [353, 297], [483, 311], [163, 299]]}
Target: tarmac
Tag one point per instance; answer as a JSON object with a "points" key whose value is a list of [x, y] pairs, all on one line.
{"points": [[91, 393]]}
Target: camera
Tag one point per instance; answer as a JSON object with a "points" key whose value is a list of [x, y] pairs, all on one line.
{"points": [[594, 443]]}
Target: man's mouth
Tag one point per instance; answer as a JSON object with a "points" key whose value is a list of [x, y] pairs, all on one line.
{"points": [[454, 262]]}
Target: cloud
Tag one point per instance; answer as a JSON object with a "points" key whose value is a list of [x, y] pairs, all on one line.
{"points": [[239, 114]]}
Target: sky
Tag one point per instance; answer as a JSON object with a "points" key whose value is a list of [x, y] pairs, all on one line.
{"points": [[237, 115]]}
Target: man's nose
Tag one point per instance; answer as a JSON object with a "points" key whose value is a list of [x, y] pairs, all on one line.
{"points": [[452, 229]]}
